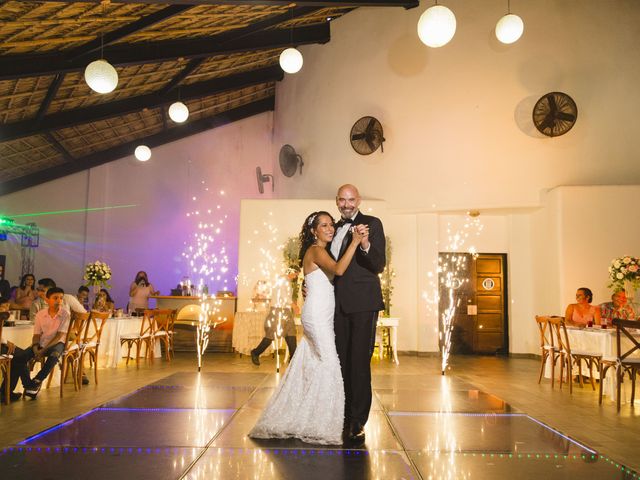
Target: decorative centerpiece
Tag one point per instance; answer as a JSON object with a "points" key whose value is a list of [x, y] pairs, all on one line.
{"points": [[624, 273], [97, 275]]}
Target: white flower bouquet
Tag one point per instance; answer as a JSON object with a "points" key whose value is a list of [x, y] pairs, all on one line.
{"points": [[624, 273], [97, 273]]}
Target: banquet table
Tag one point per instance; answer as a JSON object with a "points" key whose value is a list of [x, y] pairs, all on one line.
{"points": [[598, 340]]}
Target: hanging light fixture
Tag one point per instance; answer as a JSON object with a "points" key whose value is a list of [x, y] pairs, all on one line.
{"points": [[291, 60], [100, 74], [509, 28], [178, 112], [142, 153], [437, 26]]}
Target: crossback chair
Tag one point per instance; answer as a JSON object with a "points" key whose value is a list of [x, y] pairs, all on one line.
{"points": [[164, 321], [144, 337], [548, 349], [569, 358], [5, 361], [71, 354], [624, 362], [91, 342]]}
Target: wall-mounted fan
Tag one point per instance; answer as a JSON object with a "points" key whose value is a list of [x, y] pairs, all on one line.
{"points": [[366, 136], [289, 160], [263, 178], [554, 114]]}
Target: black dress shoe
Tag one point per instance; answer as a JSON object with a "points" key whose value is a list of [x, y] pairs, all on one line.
{"points": [[85, 379], [255, 358], [356, 433]]}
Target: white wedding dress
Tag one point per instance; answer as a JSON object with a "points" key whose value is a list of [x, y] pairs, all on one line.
{"points": [[309, 401]]}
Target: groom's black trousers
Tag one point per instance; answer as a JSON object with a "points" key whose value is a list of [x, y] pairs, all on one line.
{"points": [[355, 338]]}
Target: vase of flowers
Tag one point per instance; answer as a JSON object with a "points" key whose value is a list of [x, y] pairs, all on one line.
{"points": [[624, 274], [97, 275]]}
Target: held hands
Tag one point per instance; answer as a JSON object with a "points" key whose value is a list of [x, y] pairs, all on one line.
{"points": [[361, 234]]}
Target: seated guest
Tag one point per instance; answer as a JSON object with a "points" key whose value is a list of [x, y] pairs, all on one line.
{"points": [[83, 296], [49, 331], [26, 293], [582, 312], [69, 302], [618, 307], [8, 348], [104, 302]]}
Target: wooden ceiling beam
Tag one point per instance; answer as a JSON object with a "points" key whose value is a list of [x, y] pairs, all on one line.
{"points": [[58, 146], [94, 113], [20, 66], [51, 93], [301, 3], [121, 151], [122, 32]]}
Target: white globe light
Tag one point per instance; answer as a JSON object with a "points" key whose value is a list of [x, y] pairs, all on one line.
{"points": [[178, 112], [509, 28], [437, 26], [142, 153], [101, 76], [291, 60]]}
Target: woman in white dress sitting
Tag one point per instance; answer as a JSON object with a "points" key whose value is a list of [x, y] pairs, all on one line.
{"points": [[308, 404]]}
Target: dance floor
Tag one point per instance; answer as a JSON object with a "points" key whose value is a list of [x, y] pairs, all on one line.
{"points": [[189, 425]]}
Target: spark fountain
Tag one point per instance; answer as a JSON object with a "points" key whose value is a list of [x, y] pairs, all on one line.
{"points": [[452, 274]]}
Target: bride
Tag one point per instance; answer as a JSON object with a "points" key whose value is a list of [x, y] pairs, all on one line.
{"points": [[309, 401]]}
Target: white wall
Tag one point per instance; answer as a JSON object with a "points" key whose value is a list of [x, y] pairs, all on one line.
{"points": [[152, 233], [457, 119]]}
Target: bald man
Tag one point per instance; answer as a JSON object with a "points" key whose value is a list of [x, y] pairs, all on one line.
{"points": [[358, 301]]}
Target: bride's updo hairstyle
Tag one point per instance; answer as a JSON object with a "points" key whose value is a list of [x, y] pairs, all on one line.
{"points": [[306, 234]]}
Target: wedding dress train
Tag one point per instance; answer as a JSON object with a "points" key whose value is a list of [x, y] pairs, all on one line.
{"points": [[309, 401]]}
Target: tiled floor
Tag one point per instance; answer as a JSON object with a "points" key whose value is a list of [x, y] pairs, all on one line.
{"points": [[487, 419]]}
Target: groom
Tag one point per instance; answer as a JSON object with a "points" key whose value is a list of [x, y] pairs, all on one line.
{"points": [[358, 301]]}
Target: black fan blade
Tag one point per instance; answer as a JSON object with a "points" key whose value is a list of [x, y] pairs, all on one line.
{"points": [[358, 136], [567, 117], [370, 126], [547, 122], [552, 103], [372, 145]]}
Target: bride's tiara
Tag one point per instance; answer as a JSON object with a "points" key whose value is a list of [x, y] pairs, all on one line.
{"points": [[311, 219]]}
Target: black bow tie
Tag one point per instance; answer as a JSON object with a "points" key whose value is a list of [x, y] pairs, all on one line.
{"points": [[343, 221]]}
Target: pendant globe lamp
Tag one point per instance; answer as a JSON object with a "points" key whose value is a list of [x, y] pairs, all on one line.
{"points": [[142, 153], [101, 76], [291, 60], [178, 112], [437, 26], [510, 27]]}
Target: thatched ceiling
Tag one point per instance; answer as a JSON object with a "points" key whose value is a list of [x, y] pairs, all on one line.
{"points": [[219, 57]]}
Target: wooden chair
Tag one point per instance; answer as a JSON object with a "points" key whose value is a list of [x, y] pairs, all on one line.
{"points": [[569, 357], [547, 347], [5, 362], [71, 353], [623, 362], [145, 337], [164, 321], [91, 342]]}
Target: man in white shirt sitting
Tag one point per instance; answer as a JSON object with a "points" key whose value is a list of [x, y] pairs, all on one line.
{"points": [[49, 331], [69, 302]]}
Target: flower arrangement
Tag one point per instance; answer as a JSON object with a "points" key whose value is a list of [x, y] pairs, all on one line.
{"points": [[386, 278], [293, 265], [97, 273], [624, 273]]}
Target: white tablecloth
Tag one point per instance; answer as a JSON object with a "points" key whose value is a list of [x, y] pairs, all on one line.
{"points": [[602, 341]]}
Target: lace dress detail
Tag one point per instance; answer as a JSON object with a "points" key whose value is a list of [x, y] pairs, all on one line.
{"points": [[309, 401]]}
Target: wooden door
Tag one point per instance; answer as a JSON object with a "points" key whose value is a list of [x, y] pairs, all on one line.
{"points": [[491, 333]]}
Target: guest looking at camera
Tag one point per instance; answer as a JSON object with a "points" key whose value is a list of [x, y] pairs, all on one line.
{"points": [[104, 302], [26, 293], [582, 312]]}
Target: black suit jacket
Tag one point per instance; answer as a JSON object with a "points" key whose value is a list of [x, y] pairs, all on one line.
{"points": [[358, 289]]}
